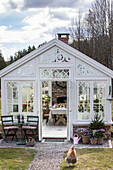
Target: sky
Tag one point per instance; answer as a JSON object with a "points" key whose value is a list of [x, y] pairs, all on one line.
{"points": [[32, 22]]}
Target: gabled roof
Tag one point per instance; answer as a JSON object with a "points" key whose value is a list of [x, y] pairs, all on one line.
{"points": [[65, 47]]}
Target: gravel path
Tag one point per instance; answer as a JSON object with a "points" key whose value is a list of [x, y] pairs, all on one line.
{"points": [[50, 155]]}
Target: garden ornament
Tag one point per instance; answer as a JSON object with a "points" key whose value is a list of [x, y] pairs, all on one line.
{"points": [[76, 139]]}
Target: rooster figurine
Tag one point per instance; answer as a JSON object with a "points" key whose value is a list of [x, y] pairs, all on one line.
{"points": [[71, 156]]}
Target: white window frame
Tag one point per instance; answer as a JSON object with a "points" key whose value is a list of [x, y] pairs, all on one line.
{"points": [[54, 78], [20, 95], [12, 103], [91, 100]]}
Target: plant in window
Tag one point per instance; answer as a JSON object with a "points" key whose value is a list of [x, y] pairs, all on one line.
{"points": [[24, 107], [96, 101], [80, 101], [46, 99], [81, 108], [96, 108], [101, 108], [97, 123], [87, 101], [31, 99]]}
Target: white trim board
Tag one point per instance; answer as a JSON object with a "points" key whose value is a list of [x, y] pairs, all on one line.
{"points": [[65, 47]]}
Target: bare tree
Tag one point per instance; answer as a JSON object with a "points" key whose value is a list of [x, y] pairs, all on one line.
{"points": [[94, 35], [98, 21], [77, 31]]}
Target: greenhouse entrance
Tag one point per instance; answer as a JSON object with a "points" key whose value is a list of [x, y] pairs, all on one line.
{"points": [[54, 109]]}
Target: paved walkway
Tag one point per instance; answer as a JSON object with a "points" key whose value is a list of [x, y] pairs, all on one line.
{"points": [[50, 155]]}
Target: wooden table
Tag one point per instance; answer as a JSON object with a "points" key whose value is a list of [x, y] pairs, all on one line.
{"points": [[61, 112]]}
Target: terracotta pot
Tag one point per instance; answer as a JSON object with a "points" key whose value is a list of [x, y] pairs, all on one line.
{"points": [[100, 141], [80, 135], [93, 141], [85, 139]]}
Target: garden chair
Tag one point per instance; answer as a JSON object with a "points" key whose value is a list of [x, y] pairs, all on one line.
{"points": [[32, 128], [8, 127], [46, 113]]}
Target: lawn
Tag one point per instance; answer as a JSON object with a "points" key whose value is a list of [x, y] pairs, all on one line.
{"points": [[16, 159], [95, 159]]}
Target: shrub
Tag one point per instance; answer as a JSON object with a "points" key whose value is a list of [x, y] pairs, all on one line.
{"points": [[97, 123]]}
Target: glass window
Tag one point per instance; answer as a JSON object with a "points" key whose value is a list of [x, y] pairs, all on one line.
{"points": [[99, 98], [27, 98], [54, 73], [45, 88], [12, 97], [83, 100]]}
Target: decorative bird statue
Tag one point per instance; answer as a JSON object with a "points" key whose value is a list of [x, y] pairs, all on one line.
{"points": [[71, 157]]}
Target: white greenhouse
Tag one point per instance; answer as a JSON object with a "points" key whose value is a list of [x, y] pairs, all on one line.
{"points": [[77, 87]]}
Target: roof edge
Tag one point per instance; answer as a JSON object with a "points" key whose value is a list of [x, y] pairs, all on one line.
{"points": [[27, 57], [65, 47]]}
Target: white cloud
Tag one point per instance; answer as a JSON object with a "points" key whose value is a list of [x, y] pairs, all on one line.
{"points": [[36, 27], [4, 5], [39, 25], [6, 51], [8, 5]]}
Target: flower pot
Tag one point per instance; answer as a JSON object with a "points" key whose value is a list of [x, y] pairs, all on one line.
{"points": [[85, 139], [93, 141], [100, 141], [80, 135]]}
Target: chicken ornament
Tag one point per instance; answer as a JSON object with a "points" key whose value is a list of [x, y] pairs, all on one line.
{"points": [[71, 157]]}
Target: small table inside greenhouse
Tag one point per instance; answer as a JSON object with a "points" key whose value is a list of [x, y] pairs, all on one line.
{"points": [[21, 142], [61, 112]]}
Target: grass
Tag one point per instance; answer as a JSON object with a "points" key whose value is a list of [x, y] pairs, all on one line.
{"points": [[16, 159], [95, 159]]}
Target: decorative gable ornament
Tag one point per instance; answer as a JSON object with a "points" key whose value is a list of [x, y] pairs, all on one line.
{"points": [[60, 57], [27, 69], [55, 55], [83, 69]]}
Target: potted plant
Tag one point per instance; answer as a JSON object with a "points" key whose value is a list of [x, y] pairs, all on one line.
{"points": [[97, 123], [80, 132], [46, 99], [93, 140], [100, 133], [86, 138]]}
